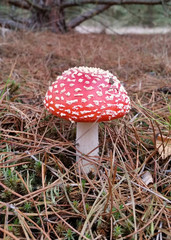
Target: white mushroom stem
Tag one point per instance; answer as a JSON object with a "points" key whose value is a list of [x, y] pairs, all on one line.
{"points": [[87, 144]]}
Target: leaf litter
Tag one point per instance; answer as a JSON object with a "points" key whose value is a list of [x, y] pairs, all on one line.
{"points": [[42, 194]]}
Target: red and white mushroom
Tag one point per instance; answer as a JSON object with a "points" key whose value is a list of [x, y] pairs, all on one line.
{"points": [[87, 95]]}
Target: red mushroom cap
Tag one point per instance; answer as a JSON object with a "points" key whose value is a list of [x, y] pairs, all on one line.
{"points": [[87, 94]]}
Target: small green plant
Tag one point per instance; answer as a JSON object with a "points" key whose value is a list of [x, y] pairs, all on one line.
{"points": [[60, 229], [38, 167], [75, 204], [117, 231], [53, 193], [83, 181], [169, 117], [87, 207], [88, 235], [69, 189], [11, 86], [69, 235], [14, 228], [27, 206], [11, 179], [116, 213]]}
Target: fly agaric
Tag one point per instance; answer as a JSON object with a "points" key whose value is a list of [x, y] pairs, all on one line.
{"points": [[87, 95]]}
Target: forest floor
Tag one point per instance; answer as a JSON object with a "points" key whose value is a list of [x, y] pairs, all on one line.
{"points": [[42, 194]]}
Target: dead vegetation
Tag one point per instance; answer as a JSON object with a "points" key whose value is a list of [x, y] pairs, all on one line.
{"points": [[42, 196]]}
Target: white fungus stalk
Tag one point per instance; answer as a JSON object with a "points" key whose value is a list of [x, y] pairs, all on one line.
{"points": [[87, 143]]}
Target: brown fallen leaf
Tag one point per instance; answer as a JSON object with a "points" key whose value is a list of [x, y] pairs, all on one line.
{"points": [[163, 144], [147, 178]]}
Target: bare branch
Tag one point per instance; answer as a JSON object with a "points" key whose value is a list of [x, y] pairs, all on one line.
{"points": [[87, 15], [37, 6], [12, 24], [51, 12], [18, 3], [27, 4], [72, 3]]}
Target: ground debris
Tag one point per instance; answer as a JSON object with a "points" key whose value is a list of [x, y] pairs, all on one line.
{"points": [[38, 172]]}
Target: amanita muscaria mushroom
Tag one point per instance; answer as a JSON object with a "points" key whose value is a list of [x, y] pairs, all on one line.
{"points": [[87, 95]]}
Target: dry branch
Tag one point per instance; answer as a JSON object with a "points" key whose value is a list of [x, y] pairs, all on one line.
{"points": [[87, 15], [7, 23], [51, 13], [18, 3], [72, 3]]}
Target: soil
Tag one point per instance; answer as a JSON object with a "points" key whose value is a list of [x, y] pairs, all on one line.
{"points": [[141, 62]]}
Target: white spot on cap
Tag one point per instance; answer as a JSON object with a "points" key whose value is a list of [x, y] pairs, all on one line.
{"points": [[99, 93], [78, 95], [51, 108], [90, 105], [72, 121], [63, 90], [59, 78], [87, 76], [67, 110], [75, 113], [51, 102], [103, 85], [87, 82], [85, 111], [110, 97], [50, 96], [94, 82], [70, 80], [127, 100], [109, 112], [47, 104], [55, 86], [62, 84], [91, 115], [59, 105], [50, 88], [74, 117], [83, 100], [77, 107], [63, 114], [57, 98], [112, 89], [62, 98], [72, 101], [80, 80], [56, 91], [89, 88], [120, 106], [107, 80], [68, 94], [77, 89], [90, 96], [108, 93], [96, 102], [79, 74], [72, 84]]}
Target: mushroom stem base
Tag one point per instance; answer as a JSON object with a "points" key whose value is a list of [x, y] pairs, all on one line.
{"points": [[87, 145]]}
